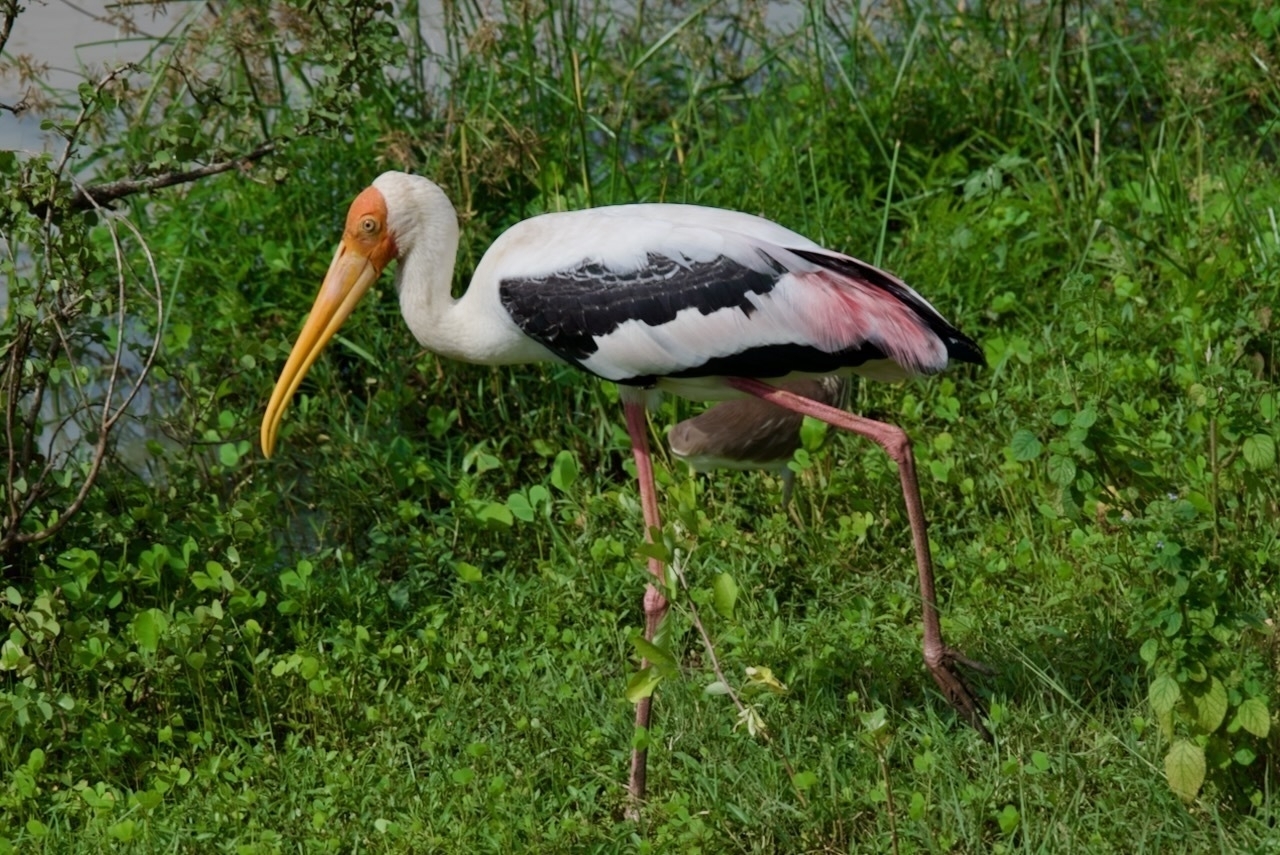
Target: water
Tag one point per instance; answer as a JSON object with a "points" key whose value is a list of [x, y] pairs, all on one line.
{"points": [[72, 37], [68, 37]]}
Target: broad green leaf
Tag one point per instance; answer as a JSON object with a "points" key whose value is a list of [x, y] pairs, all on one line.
{"points": [[1267, 406], [495, 513], [1165, 720], [642, 684], [12, 655], [804, 780], [659, 657], [1085, 418], [1150, 649], [655, 549], [147, 627], [916, 809], [1200, 502], [813, 432], [717, 688], [1184, 768], [1254, 717], [1211, 706], [180, 335], [486, 462], [564, 471], [1260, 451], [1163, 694], [1062, 470], [519, 506], [124, 830], [463, 776], [874, 720], [1025, 446], [468, 572], [725, 589], [1008, 819]]}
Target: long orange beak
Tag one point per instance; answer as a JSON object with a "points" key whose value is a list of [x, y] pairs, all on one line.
{"points": [[350, 275]]}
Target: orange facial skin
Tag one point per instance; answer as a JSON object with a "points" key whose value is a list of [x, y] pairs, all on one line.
{"points": [[364, 252]]}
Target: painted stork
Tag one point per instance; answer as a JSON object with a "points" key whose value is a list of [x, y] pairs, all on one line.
{"points": [[701, 302], [750, 433]]}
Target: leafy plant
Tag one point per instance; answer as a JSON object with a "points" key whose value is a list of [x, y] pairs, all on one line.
{"points": [[1211, 702], [411, 629]]}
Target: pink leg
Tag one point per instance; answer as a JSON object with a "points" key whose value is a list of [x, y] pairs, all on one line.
{"points": [[655, 604], [937, 656]]}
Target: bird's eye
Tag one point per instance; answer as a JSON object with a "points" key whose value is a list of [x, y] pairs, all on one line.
{"points": [[369, 226]]}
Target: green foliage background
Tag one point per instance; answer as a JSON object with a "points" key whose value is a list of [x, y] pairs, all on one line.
{"points": [[410, 631]]}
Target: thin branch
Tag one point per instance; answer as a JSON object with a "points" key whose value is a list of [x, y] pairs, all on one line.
{"points": [[94, 198], [10, 10], [109, 419], [98, 195], [65, 514], [105, 424], [715, 666], [86, 110], [12, 393]]}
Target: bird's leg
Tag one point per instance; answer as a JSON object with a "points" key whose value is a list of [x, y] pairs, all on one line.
{"points": [[655, 604], [937, 656]]}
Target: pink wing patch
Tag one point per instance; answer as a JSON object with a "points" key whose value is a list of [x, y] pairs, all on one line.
{"points": [[845, 313]]}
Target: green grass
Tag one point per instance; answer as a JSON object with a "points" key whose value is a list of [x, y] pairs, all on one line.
{"points": [[402, 657]]}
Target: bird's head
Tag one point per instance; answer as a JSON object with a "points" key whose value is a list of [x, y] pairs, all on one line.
{"points": [[367, 246]]}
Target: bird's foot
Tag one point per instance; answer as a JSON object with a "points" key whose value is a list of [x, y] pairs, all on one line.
{"points": [[957, 691]]}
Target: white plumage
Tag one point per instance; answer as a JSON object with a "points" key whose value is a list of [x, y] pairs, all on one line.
{"points": [[698, 301]]}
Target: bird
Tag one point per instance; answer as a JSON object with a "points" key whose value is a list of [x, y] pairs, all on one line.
{"points": [[707, 303], [748, 433]]}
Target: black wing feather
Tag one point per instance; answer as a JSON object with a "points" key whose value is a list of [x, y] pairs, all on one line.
{"points": [[567, 311]]}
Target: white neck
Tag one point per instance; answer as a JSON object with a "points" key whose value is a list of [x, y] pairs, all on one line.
{"points": [[473, 328], [424, 280]]}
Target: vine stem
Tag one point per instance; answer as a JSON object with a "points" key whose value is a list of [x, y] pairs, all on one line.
{"points": [[719, 672]]}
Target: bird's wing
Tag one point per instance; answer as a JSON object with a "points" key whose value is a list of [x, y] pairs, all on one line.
{"points": [[749, 431], [638, 293]]}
